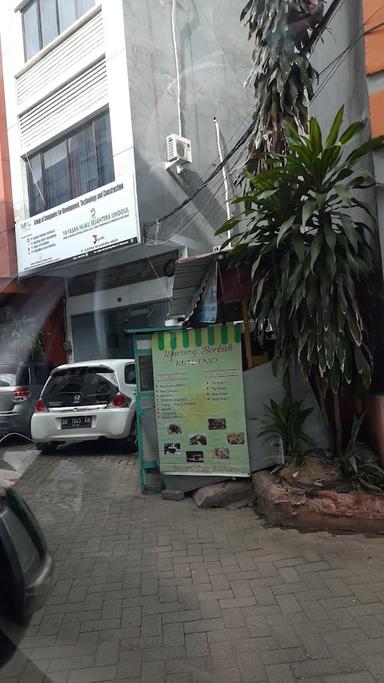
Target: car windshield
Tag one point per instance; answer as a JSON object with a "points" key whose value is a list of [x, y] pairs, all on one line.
{"points": [[79, 386]]}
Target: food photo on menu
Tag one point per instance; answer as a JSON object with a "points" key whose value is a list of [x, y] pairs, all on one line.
{"points": [[195, 456], [174, 429], [221, 454], [198, 440], [172, 449], [215, 423], [236, 438]]}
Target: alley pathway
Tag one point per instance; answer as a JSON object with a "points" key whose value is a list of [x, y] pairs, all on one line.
{"points": [[148, 590]]}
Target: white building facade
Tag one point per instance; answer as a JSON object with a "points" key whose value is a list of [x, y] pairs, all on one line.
{"points": [[93, 88]]}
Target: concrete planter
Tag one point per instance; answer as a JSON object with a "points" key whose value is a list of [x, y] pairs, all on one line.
{"points": [[288, 506]]}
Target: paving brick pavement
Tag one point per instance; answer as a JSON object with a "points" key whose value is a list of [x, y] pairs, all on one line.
{"points": [[153, 590]]}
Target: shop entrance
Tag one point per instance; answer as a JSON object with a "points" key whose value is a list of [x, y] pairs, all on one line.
{"points": [[105, 334]]}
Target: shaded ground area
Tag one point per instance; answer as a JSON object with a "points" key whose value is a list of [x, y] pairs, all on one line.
{"points": [[150, 590]]}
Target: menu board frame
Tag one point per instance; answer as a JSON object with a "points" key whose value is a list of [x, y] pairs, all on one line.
{"points": [[199, 398]]}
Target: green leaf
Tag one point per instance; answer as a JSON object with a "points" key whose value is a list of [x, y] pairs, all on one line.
{"points": [[284, 229], [228, 225], [335, 128], [315, 136], [364, 149], [354, 328], [352, 131], [343, 193], [298, 245], [350, 230], [316, 248], [363, 367], [330, 237], [308, 208]]}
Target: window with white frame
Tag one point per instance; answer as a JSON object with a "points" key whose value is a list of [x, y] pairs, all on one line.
{"points": [[44, 20], [74, 165]]}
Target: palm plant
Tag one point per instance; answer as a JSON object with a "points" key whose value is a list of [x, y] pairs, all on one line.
{"points": [[21, 339], [282, 75], [285, 421], [313, 262]]}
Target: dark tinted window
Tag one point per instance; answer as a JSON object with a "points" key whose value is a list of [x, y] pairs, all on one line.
{"points": [[40, 373], [74, 166], [80, 386], [130, 374], [56, 184], [23, 376]]}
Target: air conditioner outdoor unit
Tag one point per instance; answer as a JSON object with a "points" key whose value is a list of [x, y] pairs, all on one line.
{"points": [[179, 151]]}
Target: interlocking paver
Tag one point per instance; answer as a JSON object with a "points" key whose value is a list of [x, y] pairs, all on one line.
{"points": [[148, 590]]}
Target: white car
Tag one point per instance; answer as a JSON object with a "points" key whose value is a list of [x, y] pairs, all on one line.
{"points": [[86, 401]]}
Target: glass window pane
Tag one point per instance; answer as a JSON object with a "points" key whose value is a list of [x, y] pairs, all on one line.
{"points": [[35, 185], [31, 30], [67, 13], [83, 161], [104, 150], [57, 187], [48, 18], [83, 6]]}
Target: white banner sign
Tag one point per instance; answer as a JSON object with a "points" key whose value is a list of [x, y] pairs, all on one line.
{"points": [[100, 220]]}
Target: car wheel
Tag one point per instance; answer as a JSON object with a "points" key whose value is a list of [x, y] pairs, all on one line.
{"points": [[131, 441], [46, 448]]}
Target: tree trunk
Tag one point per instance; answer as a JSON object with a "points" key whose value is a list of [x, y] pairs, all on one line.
{"points": [[324, 412], [338, 424]]}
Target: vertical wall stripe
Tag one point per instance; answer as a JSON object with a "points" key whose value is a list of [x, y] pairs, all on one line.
{"points": [[198, 337], [224, 334], [173, 340], [238, 333], [186, 339], [160, 341], [211, 336]]}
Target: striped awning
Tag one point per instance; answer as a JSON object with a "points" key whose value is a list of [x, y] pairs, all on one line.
{"points": [[191, 278], [199, 337]]}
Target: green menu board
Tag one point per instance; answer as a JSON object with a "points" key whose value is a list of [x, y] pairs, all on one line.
{"points": [[199, 398]]}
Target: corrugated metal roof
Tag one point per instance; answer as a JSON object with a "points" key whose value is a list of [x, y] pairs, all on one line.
{"points": [[191, 277]]}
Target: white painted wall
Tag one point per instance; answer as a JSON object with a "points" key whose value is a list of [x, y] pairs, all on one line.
{"points": [[142, 292]]}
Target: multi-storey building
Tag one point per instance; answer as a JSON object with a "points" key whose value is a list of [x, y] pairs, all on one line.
{"points": [[93, 89], [40, 299]]}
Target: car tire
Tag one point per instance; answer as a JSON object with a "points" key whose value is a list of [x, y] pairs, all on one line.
{"points": [[46, 448], [131, 440]]}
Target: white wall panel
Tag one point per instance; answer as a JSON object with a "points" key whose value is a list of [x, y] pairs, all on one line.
{"points": [[83, 96]]}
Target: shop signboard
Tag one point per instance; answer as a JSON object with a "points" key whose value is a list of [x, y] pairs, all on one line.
{"points": [[199, 397], [98, 221]]}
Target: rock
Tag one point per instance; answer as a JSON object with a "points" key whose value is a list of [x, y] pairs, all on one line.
{"points": [[167, 494], [227, 493]]}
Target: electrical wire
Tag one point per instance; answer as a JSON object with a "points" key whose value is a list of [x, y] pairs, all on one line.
{"points": [[338, 61]]}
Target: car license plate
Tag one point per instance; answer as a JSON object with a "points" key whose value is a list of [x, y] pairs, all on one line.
{"points": [[75, 422]]}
